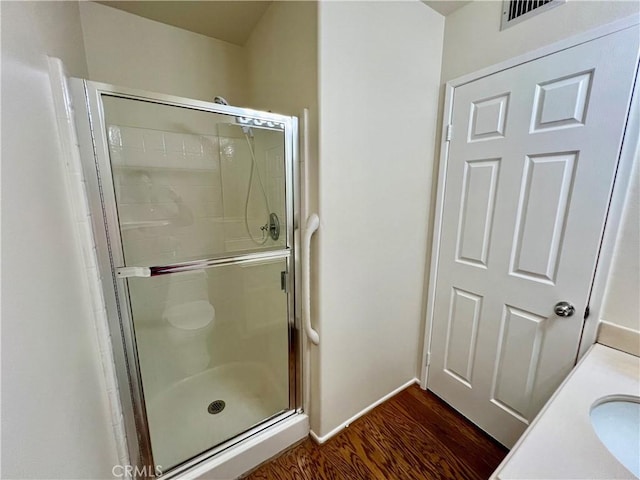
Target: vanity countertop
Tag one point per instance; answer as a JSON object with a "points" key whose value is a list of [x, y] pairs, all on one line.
{"points": [[561, 443]]}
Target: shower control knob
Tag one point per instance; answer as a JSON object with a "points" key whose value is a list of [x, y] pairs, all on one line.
{"points": [[564, 309]]}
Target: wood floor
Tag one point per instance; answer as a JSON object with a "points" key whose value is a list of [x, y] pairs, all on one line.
{"points": [[414, 435]]}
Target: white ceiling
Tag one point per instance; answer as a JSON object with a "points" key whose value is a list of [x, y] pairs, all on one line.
{"points": [[231, 21], [445, 7]]}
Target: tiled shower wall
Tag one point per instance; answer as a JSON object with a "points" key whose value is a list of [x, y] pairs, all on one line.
{"points": [[170, 194], [170, 191]]}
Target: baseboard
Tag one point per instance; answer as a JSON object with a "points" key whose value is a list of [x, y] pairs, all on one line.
{"points": [[618, 337], [321, 439]]}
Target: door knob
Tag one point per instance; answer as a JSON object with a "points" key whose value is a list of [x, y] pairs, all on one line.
{"points": [[564, 309]]}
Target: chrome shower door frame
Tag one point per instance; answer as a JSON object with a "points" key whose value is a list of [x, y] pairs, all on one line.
{"points": [[93, 144]]}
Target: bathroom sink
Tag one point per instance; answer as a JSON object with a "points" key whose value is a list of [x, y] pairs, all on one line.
{"points": [[616, 421]]}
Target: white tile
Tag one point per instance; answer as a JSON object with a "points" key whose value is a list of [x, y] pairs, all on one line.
{"points": [[200, 194], [76, 195], [158, 178], [131, 138], [133, 194], [125, 213], [144, 212], [95, 287], [175, 159], [167, 244], [87, 243], [115, 139], [153, 158], [74, 162], [104, 335], [116, 156], [193, 144], [133, 157], [195, 161], [83, 205], [207, 209], [153, 140], [173, 142], [125, 177], [209, 178], [121, 444], [211, 147]]}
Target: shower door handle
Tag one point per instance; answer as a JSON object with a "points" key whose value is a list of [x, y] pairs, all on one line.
{"points": [[313, 222], [128, 272]]}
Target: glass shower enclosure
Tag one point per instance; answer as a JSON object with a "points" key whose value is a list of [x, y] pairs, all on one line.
{"points": [[193, 211]]}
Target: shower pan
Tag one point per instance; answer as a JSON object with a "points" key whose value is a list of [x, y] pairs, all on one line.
{"points": [[203, 318]]}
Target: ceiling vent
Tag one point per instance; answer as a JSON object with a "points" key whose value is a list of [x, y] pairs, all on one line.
{"points": [[516, 11]]}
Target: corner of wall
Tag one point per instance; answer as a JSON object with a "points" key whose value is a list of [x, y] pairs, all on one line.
{"points": [[378, 95], [131, 51]]}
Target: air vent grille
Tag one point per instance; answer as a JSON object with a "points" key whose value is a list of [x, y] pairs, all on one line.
{"points": [[515, 11]]}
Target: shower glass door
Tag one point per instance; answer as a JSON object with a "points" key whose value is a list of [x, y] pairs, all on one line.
{"points": [[199, 209]]}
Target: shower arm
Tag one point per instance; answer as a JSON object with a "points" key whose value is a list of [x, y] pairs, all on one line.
{"points": [[313, 222]]}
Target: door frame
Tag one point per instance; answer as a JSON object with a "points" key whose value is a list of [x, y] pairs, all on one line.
{"points": [[89, 121], [630, 145]]}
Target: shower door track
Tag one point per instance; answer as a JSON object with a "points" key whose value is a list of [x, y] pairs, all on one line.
{"points": [[90, 124], [203, 457]]}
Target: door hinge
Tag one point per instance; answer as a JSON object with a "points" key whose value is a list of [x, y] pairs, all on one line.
{"points": [[428, 358], [586, 312], [449, 132], [284, 281]]}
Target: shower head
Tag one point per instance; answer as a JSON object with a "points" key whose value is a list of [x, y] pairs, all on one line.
{"points": [[220, 100]]}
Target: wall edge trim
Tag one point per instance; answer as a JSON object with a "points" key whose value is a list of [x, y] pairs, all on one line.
{"points": [[77, 198]]}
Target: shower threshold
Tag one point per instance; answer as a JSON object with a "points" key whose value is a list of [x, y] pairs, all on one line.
{"points": [[246, 451]]}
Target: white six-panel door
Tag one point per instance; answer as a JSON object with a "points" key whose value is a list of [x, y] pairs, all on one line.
{"points": [[532, 159]]}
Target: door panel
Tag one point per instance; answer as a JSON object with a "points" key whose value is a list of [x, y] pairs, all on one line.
{"points": [[561, 103], [476, 215], [214, 334], [209, 326], [464, 314], [529, 174], [547, 182], [518, 353]]}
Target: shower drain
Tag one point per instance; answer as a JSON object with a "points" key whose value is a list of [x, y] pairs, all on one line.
{"points": [[216, 407]]}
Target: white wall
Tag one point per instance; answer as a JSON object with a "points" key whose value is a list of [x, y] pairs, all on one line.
{"points": [[378, 93], [622, 298], [473, 40], [282, 58], [131, 51], [282, 63], [55, 418]]}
